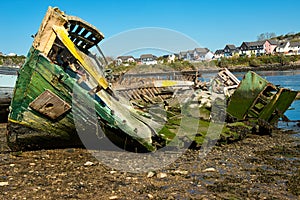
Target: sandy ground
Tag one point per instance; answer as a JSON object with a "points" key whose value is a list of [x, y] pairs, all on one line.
{"points": [[258, 167]]}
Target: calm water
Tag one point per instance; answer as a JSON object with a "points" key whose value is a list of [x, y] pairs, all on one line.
{"points": [[7, 80], [8, 76]]}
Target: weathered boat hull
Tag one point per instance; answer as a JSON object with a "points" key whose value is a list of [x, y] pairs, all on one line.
{"points": [[61, 93], [256, 98], [35, 78]]}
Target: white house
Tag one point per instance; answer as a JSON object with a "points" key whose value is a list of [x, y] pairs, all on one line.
{"points": [[198, 54], [171, 58], [288, 48], [283, 47], [125, 60], [148, 59], [209, 56], [294, 48], [201, 54]]}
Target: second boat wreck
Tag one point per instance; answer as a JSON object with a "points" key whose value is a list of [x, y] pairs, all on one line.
{"points": [[256, 98], [62, 88]]}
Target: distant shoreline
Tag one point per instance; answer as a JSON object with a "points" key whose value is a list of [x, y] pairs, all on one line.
{"points": [[275, 67]]}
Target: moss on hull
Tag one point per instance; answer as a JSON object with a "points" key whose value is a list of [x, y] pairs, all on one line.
{"points": [[230, 132]]}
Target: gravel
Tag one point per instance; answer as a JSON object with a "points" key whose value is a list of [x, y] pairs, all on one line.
{"points": [[257, 167]]}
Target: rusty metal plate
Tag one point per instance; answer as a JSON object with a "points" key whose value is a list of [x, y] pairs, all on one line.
{"points": [[50, 104]]}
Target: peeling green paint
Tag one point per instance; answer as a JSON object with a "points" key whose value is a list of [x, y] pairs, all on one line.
{"points": [[256, 98]]}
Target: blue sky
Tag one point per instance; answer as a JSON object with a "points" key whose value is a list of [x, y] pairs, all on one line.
{"points": [[211, 24]]}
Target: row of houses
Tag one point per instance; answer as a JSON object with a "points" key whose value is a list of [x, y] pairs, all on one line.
{"points": [[147, 59], [259, 48], [256, 48], [197, 54]]}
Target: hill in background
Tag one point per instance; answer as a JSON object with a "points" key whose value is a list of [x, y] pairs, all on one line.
{"points": [[292, 37]]}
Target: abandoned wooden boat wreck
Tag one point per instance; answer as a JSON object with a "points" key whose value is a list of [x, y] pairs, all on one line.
{"points": [[257, 99], [62, 96], [61, 80]]}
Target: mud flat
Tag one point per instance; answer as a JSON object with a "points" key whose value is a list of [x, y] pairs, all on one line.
{"points": [[257, 167]]}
